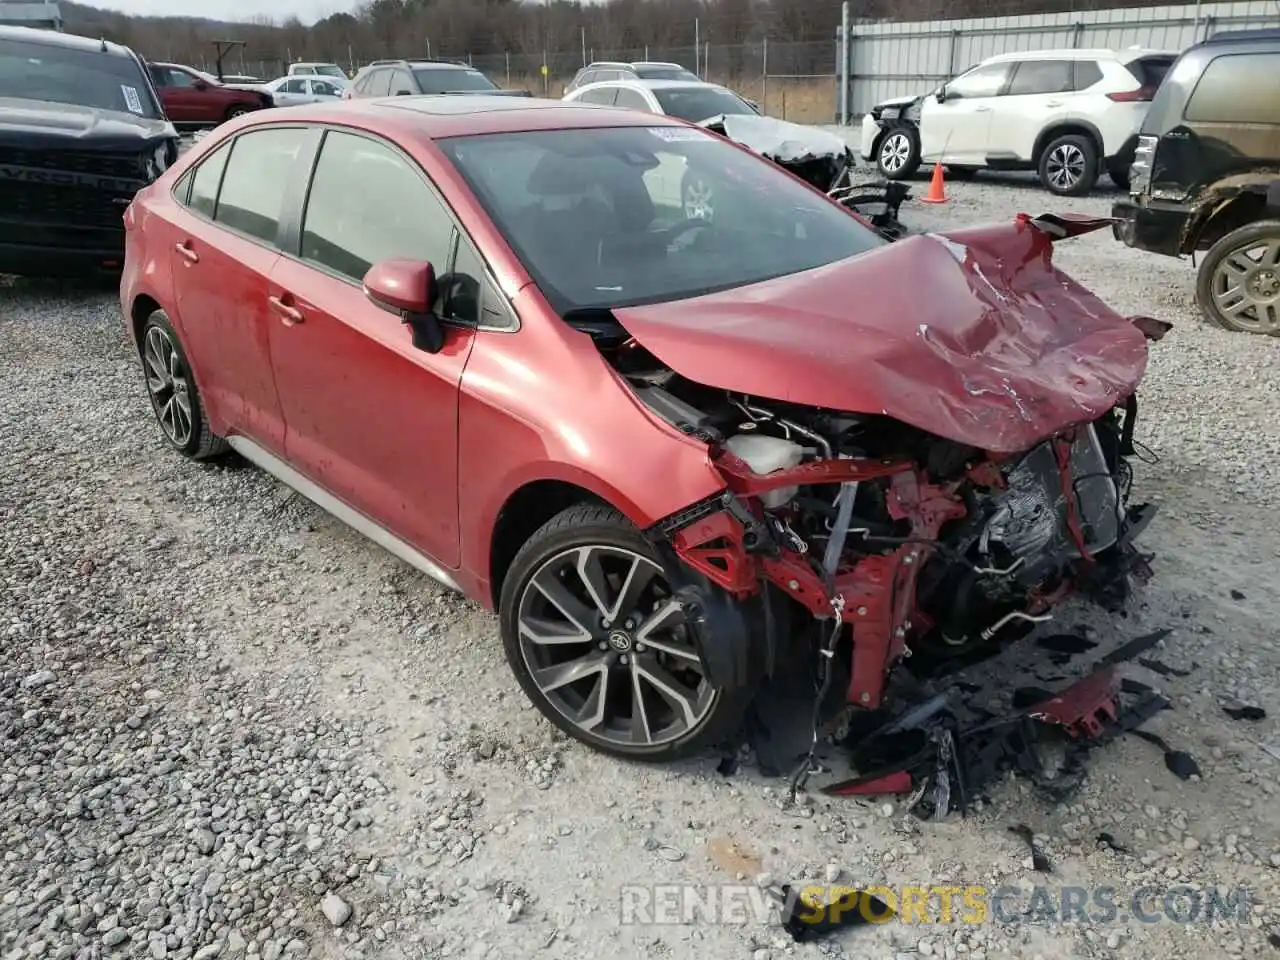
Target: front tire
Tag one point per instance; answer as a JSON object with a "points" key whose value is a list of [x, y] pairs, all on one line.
{"points": [[898, 155], [599, 644], [697, 197], [1238, 285], [1069, 165], [175, 400]]}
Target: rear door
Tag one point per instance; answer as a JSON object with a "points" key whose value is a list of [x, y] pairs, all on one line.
{"points": [[224, 252], [957, 129], [369, 417], [182, 101], [1039, 94]]}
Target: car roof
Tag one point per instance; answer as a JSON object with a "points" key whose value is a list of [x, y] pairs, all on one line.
{"points": [[1122, 56], [654, 84], [434, 116], [1270, 34], [67, 41]]}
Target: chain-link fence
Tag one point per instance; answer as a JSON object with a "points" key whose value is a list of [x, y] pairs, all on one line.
{"points": [[795, 81]]}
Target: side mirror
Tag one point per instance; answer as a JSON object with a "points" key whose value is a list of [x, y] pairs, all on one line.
{"points": [[408, 288], [941, 95], [201, 85], [404, 93]]}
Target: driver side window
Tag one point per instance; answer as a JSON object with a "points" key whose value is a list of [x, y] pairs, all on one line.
{"points": [[985, 81], [394, 213], [179, 78]]}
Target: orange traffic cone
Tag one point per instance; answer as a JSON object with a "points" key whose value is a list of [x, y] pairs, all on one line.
{"points": [[937, 191]]}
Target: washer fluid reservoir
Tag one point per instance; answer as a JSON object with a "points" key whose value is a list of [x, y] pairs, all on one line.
{"points": [[765, 455]]}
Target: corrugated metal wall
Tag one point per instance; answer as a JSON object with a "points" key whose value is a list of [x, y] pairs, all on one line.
{"points": [[898, 59]]}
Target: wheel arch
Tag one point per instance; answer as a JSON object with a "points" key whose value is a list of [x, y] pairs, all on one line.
{"points": [[143, 306], [1230, 212], [535, 501], [1066, 128]]}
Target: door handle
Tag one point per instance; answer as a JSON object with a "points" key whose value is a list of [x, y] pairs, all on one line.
{"points": [[187, 253], [1054, 103], [981, 109], [291, 316]]}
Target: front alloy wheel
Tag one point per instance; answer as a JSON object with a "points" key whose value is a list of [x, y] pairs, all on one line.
{"points": [[601, 645], [899, 155], [697, 199], [1238, 287]]}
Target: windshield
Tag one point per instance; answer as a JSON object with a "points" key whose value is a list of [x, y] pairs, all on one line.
{"points": [[696, 104], [598, 216], [449, 81], [665, 73], [331, 70], [88, 78]]}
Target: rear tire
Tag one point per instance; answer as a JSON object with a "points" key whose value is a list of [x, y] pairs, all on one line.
{"points": [[588, 623], [175, 399], [238, 110], [1238, 285], [1069, 165], [898, 152]]}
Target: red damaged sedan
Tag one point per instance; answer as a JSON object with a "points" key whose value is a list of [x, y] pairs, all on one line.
{"points": [[669, 452]]}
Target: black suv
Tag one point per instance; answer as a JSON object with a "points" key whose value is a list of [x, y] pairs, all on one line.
{"points": [[398, 78], [1206, 176], [81, 131]]}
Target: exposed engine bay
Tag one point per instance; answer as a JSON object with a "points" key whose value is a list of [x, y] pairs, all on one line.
{"points": [[919, 544]]}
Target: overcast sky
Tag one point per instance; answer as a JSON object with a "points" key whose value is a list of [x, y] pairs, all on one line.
{"points": [[307, 11]]}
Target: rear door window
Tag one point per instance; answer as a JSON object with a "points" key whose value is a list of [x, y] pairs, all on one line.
{"points": [[256, 180], [1237, 88], [1042, 76], [207, 179]]}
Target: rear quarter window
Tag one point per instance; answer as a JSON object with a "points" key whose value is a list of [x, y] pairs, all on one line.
{"points": [[1087, 74], [1237, 88]]}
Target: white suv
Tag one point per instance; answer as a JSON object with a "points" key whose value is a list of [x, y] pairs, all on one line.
{"points": [[1068, 114]]}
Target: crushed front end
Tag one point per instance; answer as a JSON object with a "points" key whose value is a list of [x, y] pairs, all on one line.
{"points": [[933, 485]]}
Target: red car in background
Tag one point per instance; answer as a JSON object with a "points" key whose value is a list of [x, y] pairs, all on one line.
{"points": [[195, 99], [674, 454]]}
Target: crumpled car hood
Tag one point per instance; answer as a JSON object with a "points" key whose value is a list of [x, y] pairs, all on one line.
{"points": [[973, 336], [779, 140]]}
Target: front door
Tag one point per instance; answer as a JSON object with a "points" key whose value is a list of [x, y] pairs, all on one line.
{"points": [[957, 128], [368, 416]]}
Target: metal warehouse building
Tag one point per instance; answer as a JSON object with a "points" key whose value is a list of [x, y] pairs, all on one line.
{"points": [[30, 13]]}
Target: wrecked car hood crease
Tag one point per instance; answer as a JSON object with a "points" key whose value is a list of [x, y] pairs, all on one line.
{"points": [[973, 336]]}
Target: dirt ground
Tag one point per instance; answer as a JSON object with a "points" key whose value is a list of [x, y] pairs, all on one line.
{"points": [[220, 710]]}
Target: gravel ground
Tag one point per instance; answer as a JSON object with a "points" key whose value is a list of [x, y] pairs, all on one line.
{"points": [[230, 727]]}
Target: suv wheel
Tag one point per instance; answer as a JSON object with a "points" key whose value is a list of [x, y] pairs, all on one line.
{"points": [[237, 110], [172, 388], [898, 157], [1238, 286], [600, 645], [1069, 165]]}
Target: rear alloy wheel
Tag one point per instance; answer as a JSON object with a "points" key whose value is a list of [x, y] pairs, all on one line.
{"points": [[1238, 286], [899, 155], [697, 198], [174, 397], [601, 646], [1069, 165], [239, 110]]}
